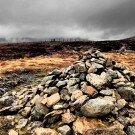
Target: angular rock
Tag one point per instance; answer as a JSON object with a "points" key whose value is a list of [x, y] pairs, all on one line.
{"points": [[51, 90], [127, 93], [73, 81], [64, 130], [90, 91], [39, 111], [80, 101], [6, 101], [61, 83], [12, 132], [68, 117], [131, 130], [71, 89], [97, 107], [98, 81], [53, 99], [107, 92], [76, 94], [80, 67], [22, 123]]}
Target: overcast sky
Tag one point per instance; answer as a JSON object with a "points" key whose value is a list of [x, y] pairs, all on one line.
{"points": [[92, 19]]}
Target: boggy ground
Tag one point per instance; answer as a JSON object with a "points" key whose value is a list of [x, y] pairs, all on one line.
{"points": [[16, 74]]}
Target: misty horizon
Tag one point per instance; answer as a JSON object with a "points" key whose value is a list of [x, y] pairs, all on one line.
{"points": [[112, 20]]}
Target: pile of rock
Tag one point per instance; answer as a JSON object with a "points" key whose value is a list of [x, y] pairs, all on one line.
{"points": [[95, 95]]}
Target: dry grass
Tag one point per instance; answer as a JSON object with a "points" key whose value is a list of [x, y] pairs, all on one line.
{"points": [[127, 59], [58, 60], [43, 63]]}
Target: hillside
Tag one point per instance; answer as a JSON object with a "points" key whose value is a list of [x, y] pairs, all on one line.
{"points": [[31, 49]]}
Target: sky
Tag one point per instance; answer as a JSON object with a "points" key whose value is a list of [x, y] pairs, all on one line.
{"points": [[90, 19]]}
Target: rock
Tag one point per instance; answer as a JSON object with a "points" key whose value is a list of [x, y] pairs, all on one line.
{"points": [[80, 67], [76, 94], [47, 78], [132, 121], [16, 108], [112, 73], [127, 93], [95, 67], [90, 91], [51, 90], [107, 92], [80, 101], [37, 99], [68, 117], [53, 99], [6, 101], [131, 130], [55, 72], [132, 105], [35, 124], [64, 130], [97, 107], [61, 83], [64, 95], [82, 125], [12, 132], [71, 89], [44, 101], [121, 103], [82, 76], [73, 81], [98, 81], [45, 131], [39, 111], [26, 111], [60, 106], [22, 123]]}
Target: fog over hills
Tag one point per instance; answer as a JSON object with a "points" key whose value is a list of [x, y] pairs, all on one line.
{"points": [[112, 20]]}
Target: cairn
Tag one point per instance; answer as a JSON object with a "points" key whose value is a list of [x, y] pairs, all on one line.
{"points": [[94, 96]]}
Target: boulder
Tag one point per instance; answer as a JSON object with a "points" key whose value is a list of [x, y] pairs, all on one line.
{"points": [[97, 107]]}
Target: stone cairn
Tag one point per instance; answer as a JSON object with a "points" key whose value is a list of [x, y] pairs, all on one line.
{"points": [[94, 96]]}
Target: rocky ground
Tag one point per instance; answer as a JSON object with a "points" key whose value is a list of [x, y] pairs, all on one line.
{"points": [[93, 96]]}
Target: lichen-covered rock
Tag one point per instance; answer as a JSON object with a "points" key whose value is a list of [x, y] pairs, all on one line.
{"points": [[97, 107], [98, 81]]}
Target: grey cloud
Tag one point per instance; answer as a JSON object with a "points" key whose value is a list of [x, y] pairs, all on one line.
{"points": [[93, 19]]}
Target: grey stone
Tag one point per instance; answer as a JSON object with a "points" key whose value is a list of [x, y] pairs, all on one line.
{"points": [[97, 107], [80, 67], [51, 90], [47, 78], [22, 123], [6, 101], [131, 130], [107, 92], [64, 130], [127, 93], [38, 111], [73, 81], [61, 83], [98, 81], [71, 89]]}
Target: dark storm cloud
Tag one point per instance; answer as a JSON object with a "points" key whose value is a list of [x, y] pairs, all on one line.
{"points": [[93, 19]]}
